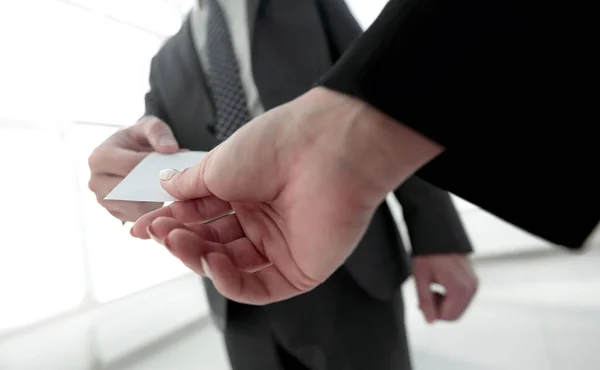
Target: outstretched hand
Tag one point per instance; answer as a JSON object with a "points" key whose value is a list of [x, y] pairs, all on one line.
{"points": [[112, 160], [293, 191]]}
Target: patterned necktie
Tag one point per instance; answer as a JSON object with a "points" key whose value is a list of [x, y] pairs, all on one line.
{"points": [[224, 78]]}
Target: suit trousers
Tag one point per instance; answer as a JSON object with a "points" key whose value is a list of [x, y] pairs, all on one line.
{"points": [[337, 326]]}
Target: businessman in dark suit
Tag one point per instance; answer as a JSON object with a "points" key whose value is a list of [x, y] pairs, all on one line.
{"points": [[355, 319]]}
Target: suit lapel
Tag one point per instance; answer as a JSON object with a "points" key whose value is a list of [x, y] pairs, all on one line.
{"points": [[198, 115], [340, 25], [253, 7], [289, 52]]}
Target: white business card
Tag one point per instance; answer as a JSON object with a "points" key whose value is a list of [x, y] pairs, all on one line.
{"points": [[143, 182]]}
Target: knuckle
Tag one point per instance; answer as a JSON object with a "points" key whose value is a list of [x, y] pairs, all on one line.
{"points": [[154, 126], [102, 202], [145, 119], [115, 214], [92, 184], [179, 184], [100, 157], [466, 289], [102, 151], [152, 122], [93, 159], [473, 287], [463, 289], [476, 282]]}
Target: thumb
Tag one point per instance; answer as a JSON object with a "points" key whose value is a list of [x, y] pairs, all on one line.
{"points": [[158, 134], [187, 184], [427, 302]]}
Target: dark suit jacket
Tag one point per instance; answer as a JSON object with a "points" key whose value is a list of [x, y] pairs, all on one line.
{"points": [[289, 53], [507, 88]]}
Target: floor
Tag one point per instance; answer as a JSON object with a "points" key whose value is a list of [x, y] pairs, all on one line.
{"points": [[536, 312]]}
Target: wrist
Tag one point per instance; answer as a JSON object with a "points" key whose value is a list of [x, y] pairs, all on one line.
{"points": [[381, 151]]}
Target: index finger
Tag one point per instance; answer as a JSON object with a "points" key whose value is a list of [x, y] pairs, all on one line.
{"points": [[457, 299]]}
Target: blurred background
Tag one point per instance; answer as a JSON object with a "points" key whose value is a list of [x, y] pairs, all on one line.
{"points": [[77, 292]]}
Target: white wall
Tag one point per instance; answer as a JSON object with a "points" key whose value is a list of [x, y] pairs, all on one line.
{"points": [[62, 63]]}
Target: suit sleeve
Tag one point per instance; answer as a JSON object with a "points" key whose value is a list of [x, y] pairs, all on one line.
{"points": [[504, 87], [153, 103], [433, 223]]}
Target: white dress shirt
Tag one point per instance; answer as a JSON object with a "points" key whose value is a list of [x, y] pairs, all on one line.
{"points": [[236, 15]]}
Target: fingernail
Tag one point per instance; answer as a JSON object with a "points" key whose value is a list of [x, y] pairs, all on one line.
{"points": [[166, 140], [151, 234], [131, 232], [167, 174], [205, 268]]}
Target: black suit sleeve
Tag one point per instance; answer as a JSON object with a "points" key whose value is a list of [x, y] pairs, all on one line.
{"points": [[505, 86], [153, 102], [432, 221]]}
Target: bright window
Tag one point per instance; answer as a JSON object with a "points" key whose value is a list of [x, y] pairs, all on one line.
{"points": [[62, 62], [41, 259], [65, 61]]}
